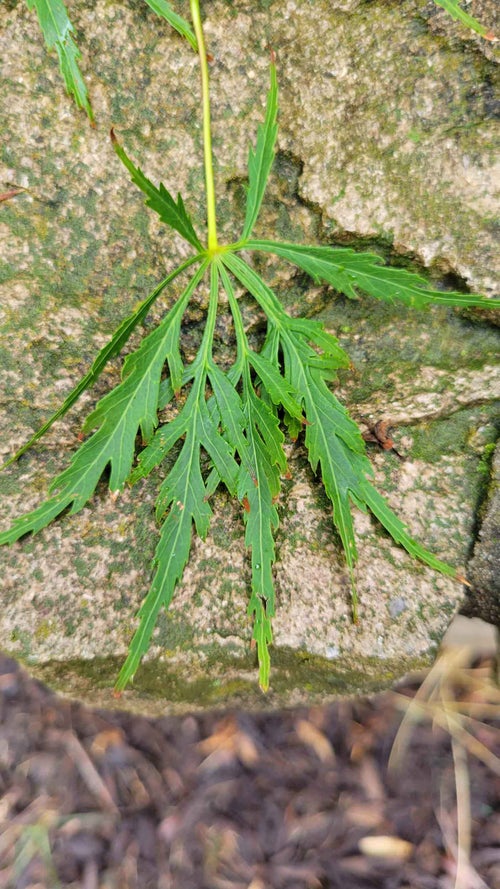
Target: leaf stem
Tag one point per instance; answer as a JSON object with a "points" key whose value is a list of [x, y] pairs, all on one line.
{"points": [[208, 336], [239, 327], [207, 133]]}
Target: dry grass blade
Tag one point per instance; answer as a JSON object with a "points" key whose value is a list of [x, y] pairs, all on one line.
{"points": [[465, 876], [415, 709], [453, 725], [437, 699], [462, 793], [449, 696], [86, 768]]}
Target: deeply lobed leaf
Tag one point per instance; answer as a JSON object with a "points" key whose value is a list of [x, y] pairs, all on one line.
{"points": [[182, 498], [131, 406], [280, 391], [57, 30], [170, 559], [258, 492], [333, 440], [110, 350], [238, 424], [262, 460], [350, 272]]}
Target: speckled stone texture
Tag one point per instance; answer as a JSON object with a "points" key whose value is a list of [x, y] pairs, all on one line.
{"points": [[483, 599], [385, 142]]}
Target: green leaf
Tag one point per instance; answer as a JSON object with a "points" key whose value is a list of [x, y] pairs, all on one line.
{"points": [[170, 560], [259, 486], [314, 332], [279, 390], [114, 347], [333, 440], [334, 444], [331, 358], [167, 390], [138, 392], [348, 272], [183, 494], [258, 492], [232, 417], [329, 434], [294, 427], [160, 445], [260, 161], [268, 425], [218, 449], [38, 518], [184, 486], [172, 213], [456, 12], [183, 499], [57, 30], [263, 637], [165, 11], [119, 415], [398, 531], [266, 298]]}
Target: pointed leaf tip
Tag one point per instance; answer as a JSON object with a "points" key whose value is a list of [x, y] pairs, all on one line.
{"points": [[260, 158], [455, 10], [461, 579], [57, 30], [172, 212]]}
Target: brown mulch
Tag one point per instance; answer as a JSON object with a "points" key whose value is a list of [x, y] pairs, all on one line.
{"points": [[284, 800]]}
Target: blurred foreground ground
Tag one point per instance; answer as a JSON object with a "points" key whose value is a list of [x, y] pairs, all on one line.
{"points": [[284, 800]]}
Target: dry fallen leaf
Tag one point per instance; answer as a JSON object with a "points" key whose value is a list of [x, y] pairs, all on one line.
{"points": [[230, 740], [315, 739], [6, 195]]}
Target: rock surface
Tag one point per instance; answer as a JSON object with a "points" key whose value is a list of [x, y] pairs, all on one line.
{"points": [[483, 599], [386, 141]]}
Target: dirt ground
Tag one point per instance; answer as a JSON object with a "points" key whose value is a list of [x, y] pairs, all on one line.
{"points": [[283, 800]]}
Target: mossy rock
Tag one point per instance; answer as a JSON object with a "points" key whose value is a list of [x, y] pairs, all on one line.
{"points": [[385, 142]]}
